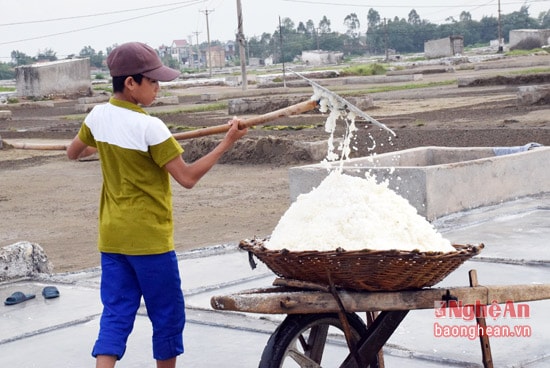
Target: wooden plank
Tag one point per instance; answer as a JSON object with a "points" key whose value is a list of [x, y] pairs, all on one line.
{"points": [[294, 302]]}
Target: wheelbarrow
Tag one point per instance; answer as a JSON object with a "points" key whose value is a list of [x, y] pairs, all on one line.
{"points": [[304, 337], [320, 313]]}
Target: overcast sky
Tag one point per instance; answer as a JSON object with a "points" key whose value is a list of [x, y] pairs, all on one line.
{"points": [[66, 26]]}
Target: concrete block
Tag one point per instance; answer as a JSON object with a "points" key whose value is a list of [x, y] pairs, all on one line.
{"points": [[166, 100], [438, 181], [5, 114], [58, 78], [530, 95], [233, 81], [382, 79], [83, 108], [362, 103], [261, 105], [93, 99]]}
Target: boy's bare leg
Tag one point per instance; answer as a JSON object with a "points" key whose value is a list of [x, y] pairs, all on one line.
{"points": [[105, 361], [169, 363]]}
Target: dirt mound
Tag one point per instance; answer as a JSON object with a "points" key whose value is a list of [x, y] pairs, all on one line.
{"points": [[254, 151]]}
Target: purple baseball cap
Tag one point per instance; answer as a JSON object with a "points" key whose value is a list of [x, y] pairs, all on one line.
{"points": [[138, 58]]}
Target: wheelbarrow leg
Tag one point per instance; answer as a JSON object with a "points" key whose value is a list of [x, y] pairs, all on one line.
{"points": [[371, 317], [482, 327], [377, 335]]}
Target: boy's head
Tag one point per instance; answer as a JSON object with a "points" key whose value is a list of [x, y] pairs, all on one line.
{"points": [[134, 58]]}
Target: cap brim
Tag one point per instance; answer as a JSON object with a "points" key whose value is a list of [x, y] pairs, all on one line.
{"points": [[163, 74]]}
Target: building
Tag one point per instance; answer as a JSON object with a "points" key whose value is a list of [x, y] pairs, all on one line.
{"points": [[180, 50]]}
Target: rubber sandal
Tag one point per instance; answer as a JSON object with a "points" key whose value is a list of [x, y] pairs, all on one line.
{"points": [[50, 292], [18, 297]]}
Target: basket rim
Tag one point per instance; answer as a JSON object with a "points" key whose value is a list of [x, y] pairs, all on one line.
{"points": [[371, 270], [257, 246]]}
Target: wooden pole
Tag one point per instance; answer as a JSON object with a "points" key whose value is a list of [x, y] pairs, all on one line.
{"points": [[242, 45], [206, 12]]}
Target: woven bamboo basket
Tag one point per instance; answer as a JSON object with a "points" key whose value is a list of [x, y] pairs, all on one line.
{"points": [[364, 270]]}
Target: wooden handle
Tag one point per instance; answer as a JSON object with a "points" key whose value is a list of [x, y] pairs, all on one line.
{"points": [[38, 146], [247, 123], [261, 119]]}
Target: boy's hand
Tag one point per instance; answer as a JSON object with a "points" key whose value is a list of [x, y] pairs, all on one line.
{"points": [[234, 132]]}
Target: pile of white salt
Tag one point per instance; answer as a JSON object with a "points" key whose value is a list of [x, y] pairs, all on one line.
{"points": [[354, 213]]}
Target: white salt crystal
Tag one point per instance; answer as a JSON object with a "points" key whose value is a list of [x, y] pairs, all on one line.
{"points": [[354, 213]]}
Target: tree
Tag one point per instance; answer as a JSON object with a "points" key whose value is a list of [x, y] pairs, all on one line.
{"points": [[260, 46], [6, 71], [488, 28], [414, 18], [20, 58], [324, 25], [170, 61], [301, 28], [310, 26], [96, 59], [375, 32], [465, 16], [544, 19], [47, 54], [373, 18], [287, 26], [351, 21]]}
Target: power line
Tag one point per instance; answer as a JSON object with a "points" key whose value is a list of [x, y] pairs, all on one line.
{"points": [[408, 6], [98, 25], [96, 14]]}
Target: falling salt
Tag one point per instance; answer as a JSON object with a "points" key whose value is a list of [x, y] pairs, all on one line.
{"points": [[350, 212]]}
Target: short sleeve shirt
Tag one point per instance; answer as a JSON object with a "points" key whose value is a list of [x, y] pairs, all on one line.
{"points": [[135, 211]]}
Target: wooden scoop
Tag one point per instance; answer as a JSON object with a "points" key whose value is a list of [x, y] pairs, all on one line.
{"points": [[261, 119]]}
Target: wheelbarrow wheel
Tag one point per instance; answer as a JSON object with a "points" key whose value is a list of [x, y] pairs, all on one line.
{"points": [[311, 340]]}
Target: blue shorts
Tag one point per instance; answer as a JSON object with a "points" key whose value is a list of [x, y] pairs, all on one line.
{"points": [[124, 280]]}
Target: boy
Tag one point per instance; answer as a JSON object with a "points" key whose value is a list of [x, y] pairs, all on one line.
{"points": [[138, 154]]}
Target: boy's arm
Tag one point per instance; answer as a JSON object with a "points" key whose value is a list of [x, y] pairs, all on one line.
{"points": [[187, 175], [78, 149]]}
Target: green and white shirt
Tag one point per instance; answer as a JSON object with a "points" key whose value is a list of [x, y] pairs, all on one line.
{"points": [[135, 211]]}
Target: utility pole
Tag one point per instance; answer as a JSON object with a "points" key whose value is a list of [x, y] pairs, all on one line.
{"points": [[282, 51], [191, 59], [198, 51], [317, 30], [206, 12], [242, 45], [386, 39], [500, 47]]}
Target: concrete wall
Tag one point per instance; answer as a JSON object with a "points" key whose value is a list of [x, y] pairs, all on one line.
{"points": [[518, 35], [318, 57], [442, 180], [57, 78], [217, 57], [443, 47]]}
